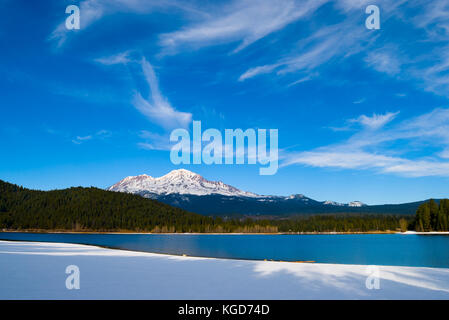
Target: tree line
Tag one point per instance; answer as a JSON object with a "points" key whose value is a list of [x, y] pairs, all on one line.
{"points": [[92, 209], [431, 216]]}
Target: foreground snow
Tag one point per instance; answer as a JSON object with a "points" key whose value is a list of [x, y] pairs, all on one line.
{"points": [[37, 271]]}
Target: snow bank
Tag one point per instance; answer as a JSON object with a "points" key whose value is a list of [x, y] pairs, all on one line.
{"points": [[425, 233], [30, 270]]}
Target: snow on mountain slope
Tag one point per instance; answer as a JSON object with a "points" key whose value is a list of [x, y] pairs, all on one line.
{"points": [[333, 203], [184, 182], [178, 182], [356, 204]]}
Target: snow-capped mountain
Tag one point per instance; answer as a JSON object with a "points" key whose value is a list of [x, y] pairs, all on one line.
{"points": [[333, 203], [190, 191], [356, 204], [180, 182]]}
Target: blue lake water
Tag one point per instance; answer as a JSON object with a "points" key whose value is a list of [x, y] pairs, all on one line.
{"points": [[381, 249]]}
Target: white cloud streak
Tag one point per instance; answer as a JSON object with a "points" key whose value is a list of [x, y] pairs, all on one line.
{"points": [[102, 134], [376, 120], [120, 58], [155, 141], [157, 108], [428, 70], [365, 150], [384, 61], [243, 21], [337, 41]]}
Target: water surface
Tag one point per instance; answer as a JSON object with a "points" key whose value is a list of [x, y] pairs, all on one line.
{"points": [[380, 249]]}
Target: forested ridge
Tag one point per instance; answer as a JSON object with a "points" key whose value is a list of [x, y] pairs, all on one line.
{"points": [[93, 209], [431, 216], [87, 209]]}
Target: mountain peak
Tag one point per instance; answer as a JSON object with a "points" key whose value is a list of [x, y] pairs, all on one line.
{"points": [[333, 203], [356, 204], [296, 196], [180, 181], [181, 173]]}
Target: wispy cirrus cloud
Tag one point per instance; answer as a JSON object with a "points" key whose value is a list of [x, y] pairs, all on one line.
{"points": [[385, 61], [368, 148], [250, 73], [157, 108], [119, 58], [304, 79], [101, 134], [376, 120], [154, 141], [92, 11], [358, 160], [426, 68], [79, 140], [337, 41], [425, 60], [242, 21], [367, 123], [246, 22]]}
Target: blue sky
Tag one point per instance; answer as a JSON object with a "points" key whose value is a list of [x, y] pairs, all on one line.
{"points": [[362, 114]]}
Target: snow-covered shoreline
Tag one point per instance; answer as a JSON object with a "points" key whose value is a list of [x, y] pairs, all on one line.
{"points": [[35, 270], [226, 233], [425, 233]]}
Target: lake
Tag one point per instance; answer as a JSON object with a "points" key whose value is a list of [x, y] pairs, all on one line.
{"points": [[366, 249]]}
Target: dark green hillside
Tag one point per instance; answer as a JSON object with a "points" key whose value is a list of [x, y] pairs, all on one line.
{"points": [[433, 216], [91, 209]]}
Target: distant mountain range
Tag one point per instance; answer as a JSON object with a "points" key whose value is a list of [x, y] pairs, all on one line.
{"points": [[192, 192]]}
